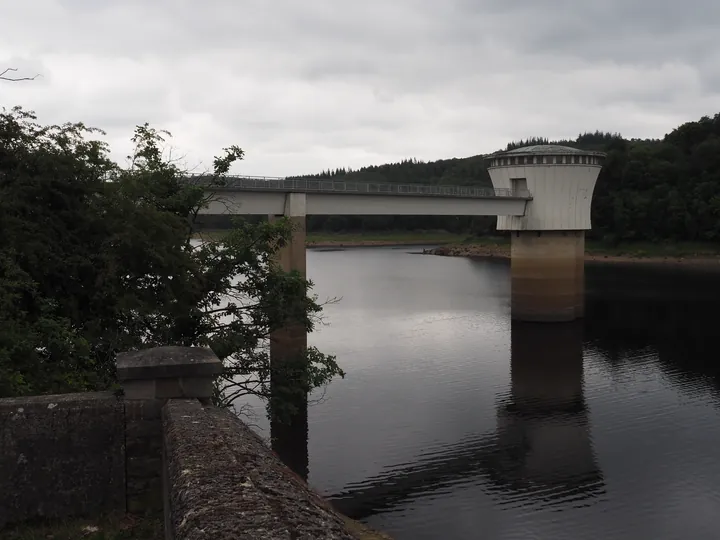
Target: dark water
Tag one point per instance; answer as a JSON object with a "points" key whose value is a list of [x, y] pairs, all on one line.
{"points": [[454, 423]]}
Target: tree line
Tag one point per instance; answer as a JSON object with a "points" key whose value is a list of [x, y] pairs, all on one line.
{"points": [[648, 190]]}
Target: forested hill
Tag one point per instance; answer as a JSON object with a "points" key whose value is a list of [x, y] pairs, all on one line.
{"points": [[456, 172], [655, 189]]}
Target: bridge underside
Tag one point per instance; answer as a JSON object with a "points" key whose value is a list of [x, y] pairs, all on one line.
{"points": [[274, 203]]}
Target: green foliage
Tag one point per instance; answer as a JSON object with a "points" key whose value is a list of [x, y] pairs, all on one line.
{"points": [[97, 259]]}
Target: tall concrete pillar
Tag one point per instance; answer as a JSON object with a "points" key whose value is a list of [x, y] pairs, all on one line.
{"points": [[292, 340], [289, 432], [548, 241], [547, 275], [580, 275]]}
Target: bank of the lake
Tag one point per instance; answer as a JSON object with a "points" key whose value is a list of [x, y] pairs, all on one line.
{"points": [[460, 245], [400, 238], [671, 254]]}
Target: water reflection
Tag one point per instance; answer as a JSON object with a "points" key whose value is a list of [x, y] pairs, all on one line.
{"points": [[541, 451], [289, 440], [543, 442], [671, 312], [453, 421]]}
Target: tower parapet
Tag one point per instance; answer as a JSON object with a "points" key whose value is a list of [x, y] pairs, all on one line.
{"points": [[560, 179]]}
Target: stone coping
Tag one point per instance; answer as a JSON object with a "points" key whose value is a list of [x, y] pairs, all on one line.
{"points": [[223, 482], [168, 362]]}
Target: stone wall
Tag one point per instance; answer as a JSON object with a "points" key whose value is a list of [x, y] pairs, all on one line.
{"points": [[61, 455], [143, 452], [223, 482], [159, 447]]}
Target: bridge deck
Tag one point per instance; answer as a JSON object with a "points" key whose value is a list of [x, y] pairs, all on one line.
{"points": [[265, 196], [301, 185]]}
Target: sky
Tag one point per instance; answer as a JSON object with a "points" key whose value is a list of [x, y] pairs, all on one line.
{"points": [[304, 86]]}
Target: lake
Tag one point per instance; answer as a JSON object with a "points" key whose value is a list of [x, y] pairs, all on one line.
{"points": [[455, 423]]}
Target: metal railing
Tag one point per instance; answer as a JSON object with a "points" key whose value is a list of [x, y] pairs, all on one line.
{"points": [[301, 185]]}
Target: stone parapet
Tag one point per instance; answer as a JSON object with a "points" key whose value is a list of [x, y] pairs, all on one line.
{"points": [[223, 482], [61, 456], [149, 378]]}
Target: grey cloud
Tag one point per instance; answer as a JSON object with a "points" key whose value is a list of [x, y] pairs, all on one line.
{"points": [[329, 83]]}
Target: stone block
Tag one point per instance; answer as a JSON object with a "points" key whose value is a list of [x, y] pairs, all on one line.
{"points": [[168, 388], [145, 496], [144, 466], [145, 445], [139, 389], [61, 456], [168, 362], [223, 482], [136, 410], [196, 387]]}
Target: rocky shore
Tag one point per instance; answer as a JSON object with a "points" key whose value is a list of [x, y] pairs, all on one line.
{"points": [[502, 251]]}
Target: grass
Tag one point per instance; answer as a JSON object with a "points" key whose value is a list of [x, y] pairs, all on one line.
{"points": [[111, 527], [655, 249], [400, 237]]}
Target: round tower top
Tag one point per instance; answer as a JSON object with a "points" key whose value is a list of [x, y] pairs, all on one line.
{"points": [[545, 154]]}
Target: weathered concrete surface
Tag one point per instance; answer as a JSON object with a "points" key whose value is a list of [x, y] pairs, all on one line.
{"points": [[143, 450], [61, 456], [168, 362], [548, 275], [224, 483]]}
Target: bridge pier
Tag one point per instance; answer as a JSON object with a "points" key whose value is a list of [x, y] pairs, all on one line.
{"points": [[287, 348], [548, 275]]}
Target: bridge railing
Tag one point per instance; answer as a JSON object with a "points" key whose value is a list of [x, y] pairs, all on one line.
{"points": [[255, 183]]}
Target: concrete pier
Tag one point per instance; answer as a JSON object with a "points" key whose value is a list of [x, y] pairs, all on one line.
{"points": [[287, 343], [548, 275], [289, 432], [548, 241]]}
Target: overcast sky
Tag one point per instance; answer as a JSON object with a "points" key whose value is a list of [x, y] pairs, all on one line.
{"points": [[308, 85]]}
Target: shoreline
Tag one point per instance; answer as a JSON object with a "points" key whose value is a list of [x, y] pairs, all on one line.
{"points": [[502, 251], [365, 243], [459, 245]]}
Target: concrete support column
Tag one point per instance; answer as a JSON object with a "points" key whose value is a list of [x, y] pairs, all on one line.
{"points": [[287, 347], [547, 271], [149, 378], [580, 275], [290, 341]]}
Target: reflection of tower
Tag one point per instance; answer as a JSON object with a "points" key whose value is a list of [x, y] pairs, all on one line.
{"points": [[543, 432]]}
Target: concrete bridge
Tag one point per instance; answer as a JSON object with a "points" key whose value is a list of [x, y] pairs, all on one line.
{"points": [[248, 195], [541, 193]]}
